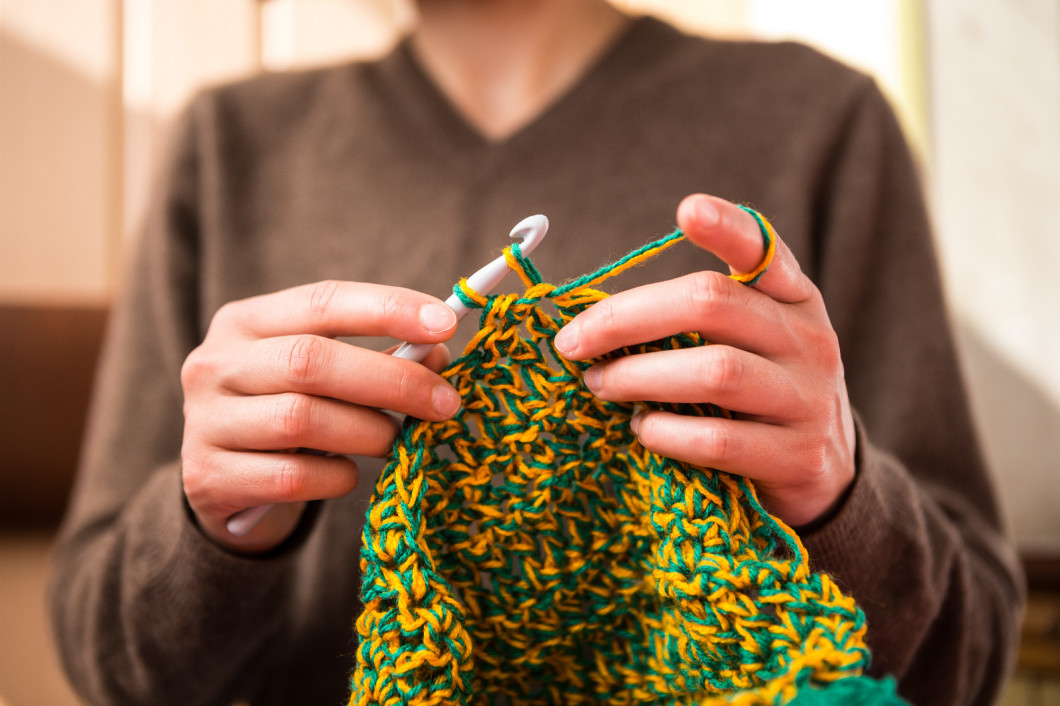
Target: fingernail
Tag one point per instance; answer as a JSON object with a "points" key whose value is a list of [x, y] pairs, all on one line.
{"points": [[592, 378], [437, 317], [634, 423], [445, 400], [706, 212], [567, 339]]}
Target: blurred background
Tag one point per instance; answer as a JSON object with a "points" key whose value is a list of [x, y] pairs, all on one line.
{"points": [[89, 87]]}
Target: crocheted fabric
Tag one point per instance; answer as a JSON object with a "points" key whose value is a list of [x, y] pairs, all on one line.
{"points": [[531, 551]]}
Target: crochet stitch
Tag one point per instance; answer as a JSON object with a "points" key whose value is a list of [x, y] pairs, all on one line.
{"points": [[531, 551]]}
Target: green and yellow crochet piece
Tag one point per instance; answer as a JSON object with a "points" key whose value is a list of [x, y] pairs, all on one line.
{"points": [[531, 551]]}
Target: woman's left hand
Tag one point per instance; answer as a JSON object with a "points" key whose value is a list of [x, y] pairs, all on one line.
{"points": [[774, 363]]}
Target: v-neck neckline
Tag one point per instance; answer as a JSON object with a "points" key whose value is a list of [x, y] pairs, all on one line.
{"points": [[439, 113]]}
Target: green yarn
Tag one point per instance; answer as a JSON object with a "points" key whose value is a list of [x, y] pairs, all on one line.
{"points": [[531, 552], [860, 691]]}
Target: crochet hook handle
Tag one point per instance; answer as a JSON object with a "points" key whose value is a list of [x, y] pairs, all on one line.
{"points": [[530, 231]]}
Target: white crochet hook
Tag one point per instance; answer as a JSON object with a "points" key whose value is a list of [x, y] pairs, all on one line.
{"points": [[530, 231]]}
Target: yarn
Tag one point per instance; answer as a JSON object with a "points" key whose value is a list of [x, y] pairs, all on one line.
{"points": [[856, 691], [530, 551], [769, 241]]}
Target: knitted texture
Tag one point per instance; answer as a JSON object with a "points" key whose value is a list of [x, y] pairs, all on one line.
{"points": [[531, 551]]}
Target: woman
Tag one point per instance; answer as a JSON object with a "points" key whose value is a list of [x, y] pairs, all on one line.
{"points": [[384, 180]]}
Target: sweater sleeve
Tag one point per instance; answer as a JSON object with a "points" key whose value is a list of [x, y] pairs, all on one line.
{"points": [[919, 541], [145, 608]]}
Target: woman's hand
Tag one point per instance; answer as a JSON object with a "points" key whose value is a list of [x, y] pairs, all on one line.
{"points": [[269, 379], [775, 364]]}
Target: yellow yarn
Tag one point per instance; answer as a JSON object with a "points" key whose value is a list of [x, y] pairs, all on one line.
{"points": [[531, 551]]}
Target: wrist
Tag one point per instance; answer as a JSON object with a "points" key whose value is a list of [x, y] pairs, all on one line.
{"points": [[810, 506]]}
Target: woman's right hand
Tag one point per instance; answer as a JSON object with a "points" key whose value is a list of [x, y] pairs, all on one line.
{"points": [[269, 378]]}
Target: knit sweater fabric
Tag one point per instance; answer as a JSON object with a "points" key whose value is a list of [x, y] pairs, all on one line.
{"points": [[365, 172]]}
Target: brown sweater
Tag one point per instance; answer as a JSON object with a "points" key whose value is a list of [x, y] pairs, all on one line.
{"points": [[365, 172]]}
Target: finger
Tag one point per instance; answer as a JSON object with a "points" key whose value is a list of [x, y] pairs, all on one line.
{"points": [[325, 367], [792, 478], [725, 376], [747, 448], [237, 480], [719, 308], [292, 420], [735, 236], [335, 308]]}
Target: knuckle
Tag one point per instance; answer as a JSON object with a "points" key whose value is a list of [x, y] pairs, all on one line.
{"points": [[289, 477], [812, 462], [707, 291], [292, 418], [226, 316], [195, 473], [807, 451], [715, 444], [196, 369], [722, 368], [388, 305], [304, 359], [192, 370], [825, 342], [813, 294], [833, 355], [195, 487], [321, 297]]}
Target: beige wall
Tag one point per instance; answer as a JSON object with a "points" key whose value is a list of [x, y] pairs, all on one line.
{"points": [[995, 72], [59, 181], [87, 86]]}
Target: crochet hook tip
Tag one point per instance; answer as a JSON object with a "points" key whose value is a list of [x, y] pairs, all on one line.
{"points": [[530, 230]]}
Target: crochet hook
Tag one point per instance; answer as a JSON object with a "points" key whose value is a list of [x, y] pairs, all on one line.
{"points": [[529, 231]]}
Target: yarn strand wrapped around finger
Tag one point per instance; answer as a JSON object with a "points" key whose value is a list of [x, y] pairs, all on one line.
{"points": [[769, 245]]}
